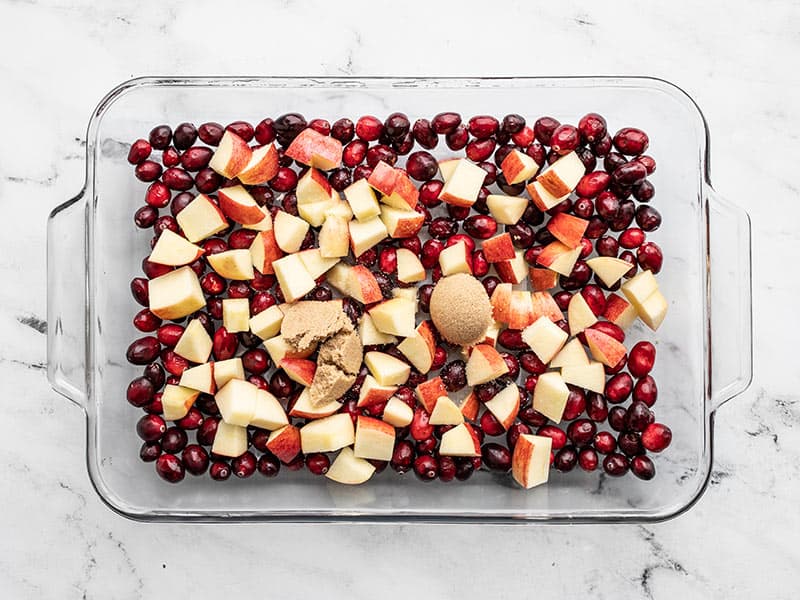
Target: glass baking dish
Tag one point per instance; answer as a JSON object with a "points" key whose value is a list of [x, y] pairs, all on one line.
{"points": [[704, 346]]}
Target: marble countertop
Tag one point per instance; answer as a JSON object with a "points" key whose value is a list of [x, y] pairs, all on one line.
{"points": [[737, 59]]}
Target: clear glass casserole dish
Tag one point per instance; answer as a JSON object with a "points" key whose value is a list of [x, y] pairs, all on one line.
{"points": [[704, 345]]}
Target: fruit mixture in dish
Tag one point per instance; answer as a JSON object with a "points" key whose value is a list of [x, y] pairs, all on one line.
{"points": [[333, 297]]}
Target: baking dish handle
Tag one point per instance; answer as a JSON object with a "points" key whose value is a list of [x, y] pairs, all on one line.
{"points": [[66, 299], [730, 294]]}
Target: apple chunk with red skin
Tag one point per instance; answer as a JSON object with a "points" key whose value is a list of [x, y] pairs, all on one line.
{"points": [[363, 286], [545, 338], [604, 347], [383, 178], [543, 279], [567, 229], [619, 311], [313, 188], [559, 257], [514, 270], [530, 463], [304, 409], [176, 401], [420, 348], [518, 167], [262, 167], [194, 344], [545, 306], [264, 251], [312, 148], [200, 378], [348, 469], [233, 264], [505, 405], [405, 194], [541, 198], [499, 248], [237, 204], [285, 443], [174, 250], [562, 176], [461, 440], [362, 200], [398, 413], [428, 392], [374, 393], [176, 294], [201, 218], [463, 185], [484, 364], [299, 370], [374, 439], [232, 155], [446, 412], [401, 223]]}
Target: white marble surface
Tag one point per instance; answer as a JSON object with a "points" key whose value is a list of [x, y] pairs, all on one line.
{"points": [[738, 60]]}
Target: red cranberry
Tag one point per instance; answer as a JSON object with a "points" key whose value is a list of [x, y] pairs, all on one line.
{"points": [[616, 418], [576, 404], [268, 465], [146, 321], [607, 246], [139, 151], [490, 283], [650, 257], [583, 208], [497, 457], [174, 440], [145, 217], [648, 218], [431, 250], [343, 130], [340, 179], [196, 158], [148, 170], [516, 430], [522, 235], [481, 227], [169, 334], [445, 122], [144, 350], [369, 128], [566, 459], [597, 227], [429, 193], [160, 136], [490, 425], [615, 465], [631, 141], [483, 126], [555, 433], [480, 150], [165, 222], [523, 138], [284, 181], [243, 129], [643, 467], [592, 127], [207, 181], [588, 459], [220, 470], [562, 299], [638, 416], [321, 126], [195, 459], [354, 153], [151, 427], [170, 468], [225, 344], [607, 205], [424, 134], [255, 361], [646, 390], [245, 465], [140, 391], [531, 363], [157, 195], [380, 153], [156, 407], [543, 129], [155, 373], [648, 162], [179, 202], [426, 467], [454, 375], [170, 157], [458, 213], [593, 184], [422, 166], [457, 138], [212, 284], [656, 437], [602, 146], [210, 133], [288, 126], [149, 451], [402, 456], [630, 443], [644, 191], [396, 125], [630, 173], [420, 428], [565, 139], [174, 363], [618, 388], [480, 266], [511, 339], [581, 432], [318, 463], [153, 270], [192, 420], [596, 407], [594, 298], [641, 359], [605, 443], [207, 431]]}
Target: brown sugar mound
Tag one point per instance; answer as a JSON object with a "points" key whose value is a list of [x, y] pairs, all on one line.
{"points": [[460, 309], [309, 322], [338, 364]]}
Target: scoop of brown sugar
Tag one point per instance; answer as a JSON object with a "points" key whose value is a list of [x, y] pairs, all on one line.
{"points": [[460, 309]]}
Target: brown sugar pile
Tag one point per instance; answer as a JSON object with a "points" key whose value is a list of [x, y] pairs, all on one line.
{"points": [[460, 309], [340, 352]]}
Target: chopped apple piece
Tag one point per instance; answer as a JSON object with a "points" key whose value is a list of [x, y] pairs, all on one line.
{"points": [[653, 310], [485, 364], [567, 229], [562, 176], [366, 234], [236, 401], [455, 259], [447, 166], [420, 348], [386, 369], [405, 194], [200, 378], [492, 333], [401, 223], [194, 344], [201, 218], [238, 205], [604, 347], [409, 293], [300, 370], [314, 149], [545, 338], [176, 401], [369, 334], [340, 277], [518, 167], [505, 405], [409, 267], [174, 250], [267, 323], [233, 264], [264, 251], [230, 440], [231, 156], [520, 310], [609, 269], [269, 413], [550, 395], [278, 349], [579, 315], [294, 279], [314, 214], [363, 286], [398, 413], [285, 443], [236, 314], [176, 294], [338, 207], [313, 188], [591, 377], [638, 288], [506, 210], [262, 167], [383, 178], [327, 434], [347, 468], [374, 439], [304, 409], [545, 306], [461, 440], [571, 355], [290, 231], [446, 412], [265, 224], [334, 237], [619, 311], [541, 198], [530, 463], [315, 263], [226, 370], [362, 200], [464, 185], [373, 392], [395, 317], [428, 392], [514, 270], [559, 258], [499, 248], [501, 302], [469, 407], [543, 279]]}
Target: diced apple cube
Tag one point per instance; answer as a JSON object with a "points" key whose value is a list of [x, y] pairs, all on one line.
{"points": [[201, 218], [327, 434], [530, 463], [269, 413], [374, 439], [653, 310], [559, 257], [484, 365], [409, 267], [550, 395], [194, 344], [514, 270], [231, 156], [362, 200], [236, 401], [264, 251], [334, 237], [226, 370], [572, 354], [233, 264], [369, 334], [619, 311], [562, 176], [395, 317], [579, 315], [461, 440], [237, 204], [236, 314], [347, 468], [464, 185], [174, 250], [604, 348], [313, 188], [290, 231], [176, 401], [591, 377], [267, 323], [542, 199], [518, 167], [315, 263], [294, 279], [505, 405], [445, 412], [567, 229], [397, 412], [200, 378], [386, 369], [419, 348], [366, 234], [608, 268], [506, 210], [230, 440], [545, 338], [262, 167], [401, 223], [455, 259], [176, 294]]}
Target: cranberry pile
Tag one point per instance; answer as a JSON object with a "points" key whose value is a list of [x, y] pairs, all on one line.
{"points": [[613, 431]]}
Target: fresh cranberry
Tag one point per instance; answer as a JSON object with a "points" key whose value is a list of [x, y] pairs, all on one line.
{"points": [[583, 208], [641, 359], [402, 456], [430, 252], [566, 459], [454, 375], [656, 437], [516, 430], [207, 181], [602, 146], [140, 391], [379, 153], [480, 227], [143, 350], [576, 404], [490, 425], [615, 465], [588, 459], [646, 390], [562, 299], [284, 181], [149, 451], [219, 470], [146, 321], [630, 173], [255, 361], [644, 191], [457, 138], [151, 427], [650, 257], [643, 467], [648, 218], [596, 407], [543, 129], [139, 151], [618, 388], [195, 459], [605, 443], [631, 141], [148, 170], [607, 246], [557, 434], [245, 465], [445, 122], [160, 136], [596, 228], [318, 463], [496, 456], [592, 184], [490, 283], [420, 427], [592, 127], [426, 467], [174, 363], [638, 416], [616, 418], [581, 432], [170, 468], [369, 128], [174, 440], [210, 133], [565, 139], [192, 420], [225, 344], [480, 150], [511, 339], [630, 443]]}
